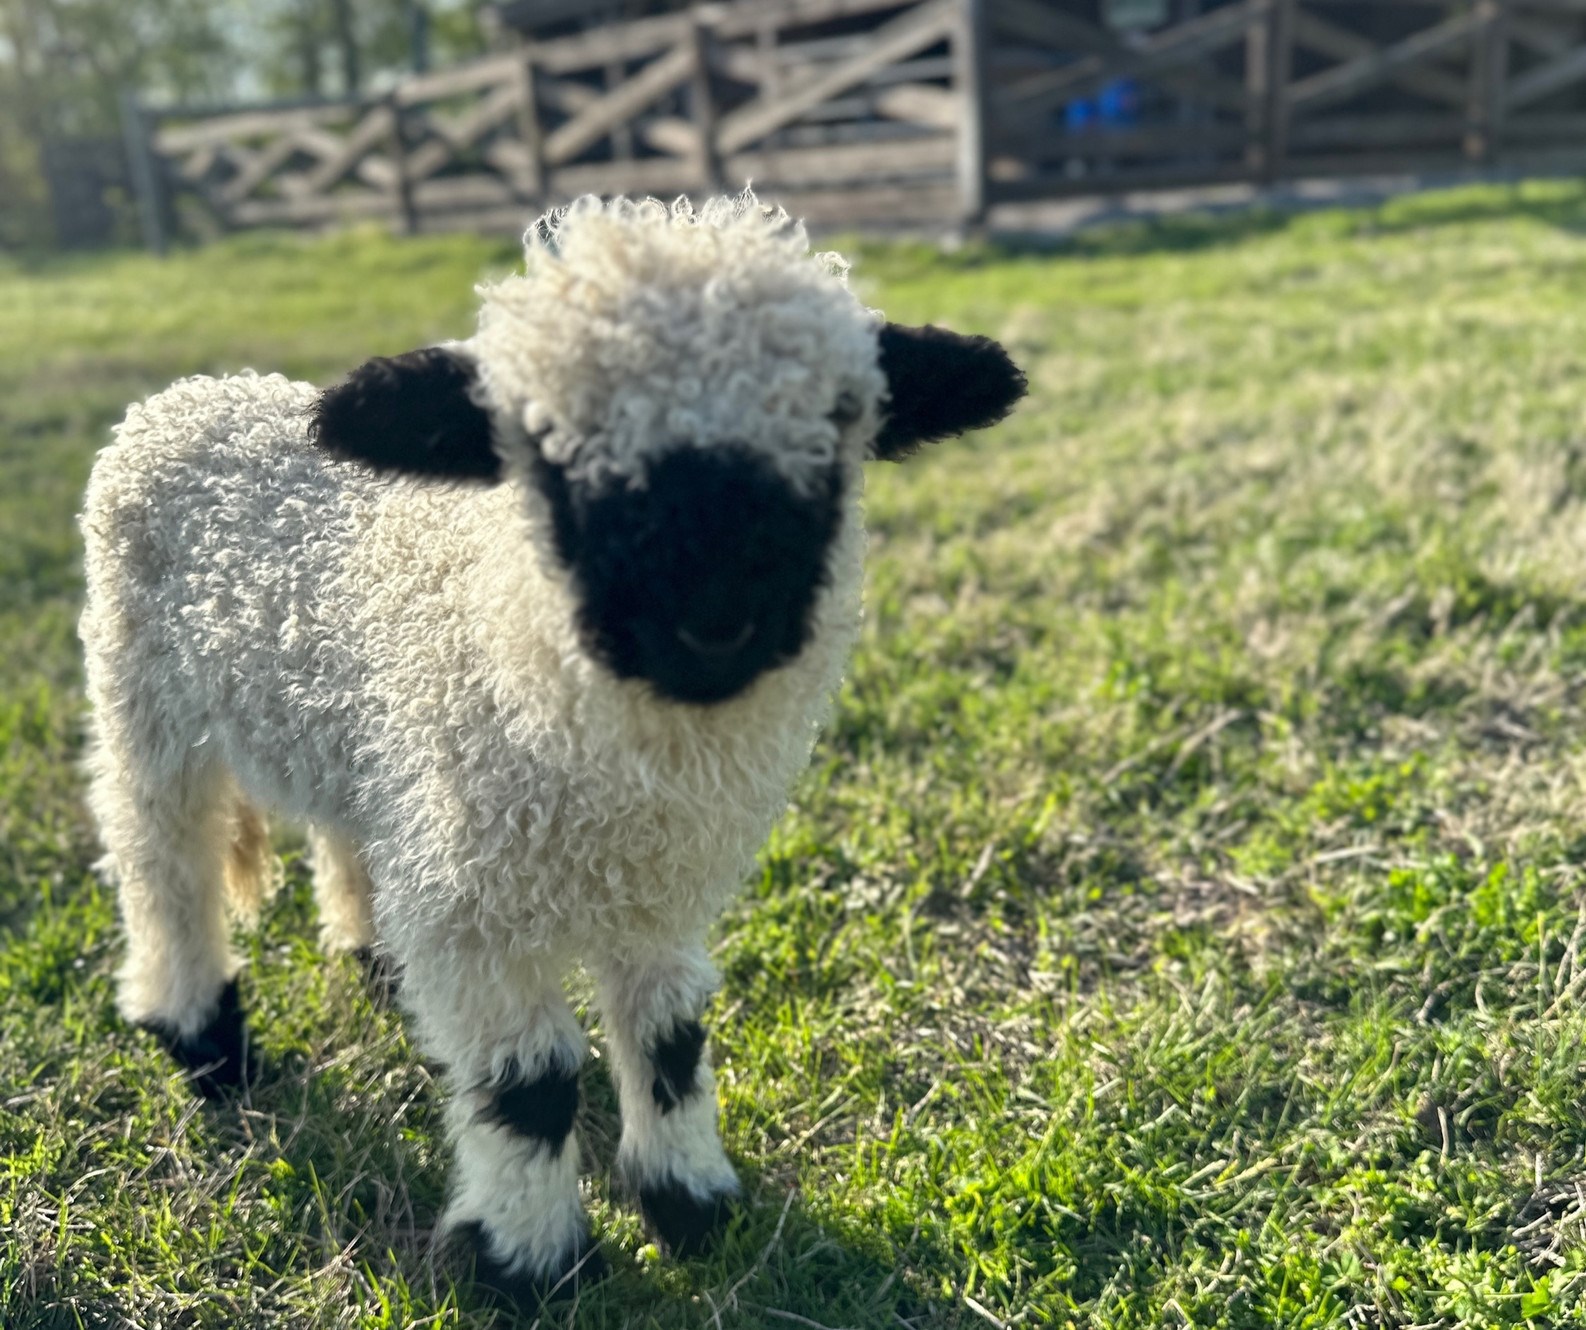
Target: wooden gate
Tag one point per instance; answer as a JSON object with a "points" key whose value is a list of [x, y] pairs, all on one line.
{"points": [[1266, 89], [915, 111], [848, 125]]}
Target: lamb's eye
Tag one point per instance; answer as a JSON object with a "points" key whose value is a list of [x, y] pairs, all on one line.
{"points": [[847, 409]]}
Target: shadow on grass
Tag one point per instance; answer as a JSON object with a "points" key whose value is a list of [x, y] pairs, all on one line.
{"points": [[775, 1257], [315, 1200]]}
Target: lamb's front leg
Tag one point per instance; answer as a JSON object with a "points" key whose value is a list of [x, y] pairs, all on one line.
{"points": [[671, 1153], [512, 1050]]}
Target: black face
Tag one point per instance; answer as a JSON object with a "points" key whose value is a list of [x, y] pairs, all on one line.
{"points": [[704, 577], [701, 579]]}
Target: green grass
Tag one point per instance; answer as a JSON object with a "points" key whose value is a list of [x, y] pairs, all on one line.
{"points": [[1183, 922]]}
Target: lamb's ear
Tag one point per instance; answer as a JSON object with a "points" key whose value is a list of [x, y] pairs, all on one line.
{"points": [[941, 384], [416, 414]]}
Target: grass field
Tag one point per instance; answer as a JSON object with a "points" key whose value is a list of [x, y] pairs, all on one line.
{"points": [[1183, 922]]}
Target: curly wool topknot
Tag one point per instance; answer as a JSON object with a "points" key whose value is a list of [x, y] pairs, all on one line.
{"points": [[639, 326], [742, 211]]}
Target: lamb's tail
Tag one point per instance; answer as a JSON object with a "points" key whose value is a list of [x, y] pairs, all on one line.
{"points": [[253, 870]]}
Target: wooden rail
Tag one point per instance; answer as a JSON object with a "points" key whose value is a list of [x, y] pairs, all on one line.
{"points": [[854, 111]]}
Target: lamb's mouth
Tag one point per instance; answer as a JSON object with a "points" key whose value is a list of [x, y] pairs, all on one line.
{"points": [[716, 648], [703, 578], [693, 666]]}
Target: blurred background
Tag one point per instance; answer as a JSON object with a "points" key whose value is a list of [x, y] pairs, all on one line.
{"points": [[1183, 919], [162, 119]]}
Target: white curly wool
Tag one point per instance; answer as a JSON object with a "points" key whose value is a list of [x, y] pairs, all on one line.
{"points": [[394, 663], [637, 324]]}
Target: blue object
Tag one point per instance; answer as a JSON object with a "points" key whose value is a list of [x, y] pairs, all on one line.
{"points": [[1115, 106]]}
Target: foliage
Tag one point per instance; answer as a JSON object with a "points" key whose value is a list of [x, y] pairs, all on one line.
{"points": [[1181, 923], [65, 64]]}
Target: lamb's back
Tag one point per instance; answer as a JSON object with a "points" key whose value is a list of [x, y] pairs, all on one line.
{"points": [[203, 475], [214, 537]]}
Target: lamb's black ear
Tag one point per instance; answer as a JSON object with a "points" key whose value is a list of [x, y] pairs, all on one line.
{"points": [[941, 384], [415, 414]]}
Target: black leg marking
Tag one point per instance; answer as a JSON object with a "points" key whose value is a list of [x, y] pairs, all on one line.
{"points": [[541, 1109], [582, 1266], [676, 1062], [217, 1058], [680, 1219], [382, 976]]}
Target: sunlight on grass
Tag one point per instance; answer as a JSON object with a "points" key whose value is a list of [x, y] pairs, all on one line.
{"points": [[1181, 923]]}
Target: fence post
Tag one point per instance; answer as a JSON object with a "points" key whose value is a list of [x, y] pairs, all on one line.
{"points": [[969, 77], [144, 171], [1258, 37], [1282, 74], [529, 129], [1489, 72], [399, 164], [622, 132], [1269, 67], [702, 107]]}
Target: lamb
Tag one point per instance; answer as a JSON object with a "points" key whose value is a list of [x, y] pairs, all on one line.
{"points": [[534, 632]]}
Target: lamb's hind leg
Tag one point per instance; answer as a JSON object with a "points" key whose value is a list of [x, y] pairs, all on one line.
{"points": [[512, 1049], [671, 1153], [168, 838], [345, 897], [343, 893]]}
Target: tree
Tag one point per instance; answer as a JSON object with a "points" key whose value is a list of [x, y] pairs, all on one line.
{"points": [[64, 65], [320, 48]]}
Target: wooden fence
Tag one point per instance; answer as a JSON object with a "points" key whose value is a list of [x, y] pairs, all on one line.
{"points": [[914, 111]]}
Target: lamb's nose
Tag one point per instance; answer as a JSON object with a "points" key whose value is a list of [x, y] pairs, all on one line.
{"points": [[716, 648]]}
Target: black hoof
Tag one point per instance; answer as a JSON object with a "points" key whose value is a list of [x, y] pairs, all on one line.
{"points": [[680, 1220], [217, 1059], [583, 1267], [382, 976]]}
